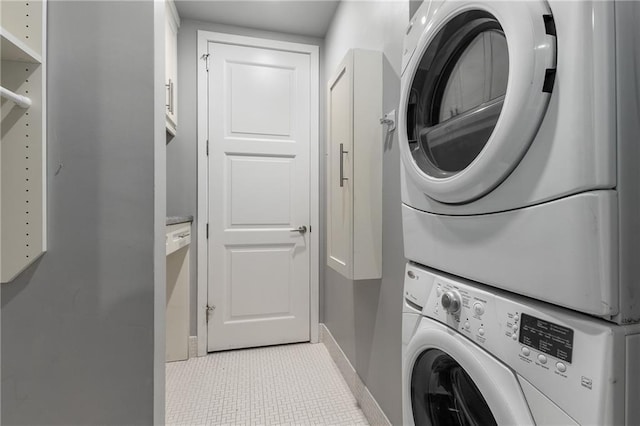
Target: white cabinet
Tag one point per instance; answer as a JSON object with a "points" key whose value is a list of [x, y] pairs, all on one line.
{"points": [[23, 216], [178, 240], [354, 166], [171, 66]]}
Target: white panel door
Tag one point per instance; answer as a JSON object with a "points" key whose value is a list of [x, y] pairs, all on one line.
{"points": [[259, 135]]}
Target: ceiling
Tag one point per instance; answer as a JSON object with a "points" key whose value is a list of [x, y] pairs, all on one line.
{"points": [[302, 17]]}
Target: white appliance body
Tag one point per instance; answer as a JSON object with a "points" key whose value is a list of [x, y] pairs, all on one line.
{"points": [[534, 187], [529, 362]]}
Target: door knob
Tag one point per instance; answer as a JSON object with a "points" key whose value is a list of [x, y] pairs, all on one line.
{"points": [[301, 229]]}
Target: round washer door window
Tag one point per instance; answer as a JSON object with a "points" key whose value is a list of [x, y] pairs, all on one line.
{"points": [[442, 393], [474, 95]]}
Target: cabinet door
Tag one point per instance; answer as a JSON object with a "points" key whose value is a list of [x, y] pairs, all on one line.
{"points": [[174, 73], [340, 170], [171, 67]]}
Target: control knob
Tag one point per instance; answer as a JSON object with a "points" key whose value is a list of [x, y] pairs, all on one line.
{"points": [[450, 301]]}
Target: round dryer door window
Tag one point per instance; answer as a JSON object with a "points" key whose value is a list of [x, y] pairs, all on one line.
{"points": [[442, 393], [474, 95], [457, 96]]}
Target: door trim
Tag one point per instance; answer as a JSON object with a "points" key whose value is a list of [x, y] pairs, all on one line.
{"points": [[204, 37]]}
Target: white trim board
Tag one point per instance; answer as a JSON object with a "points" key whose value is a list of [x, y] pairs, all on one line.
{"points": [[366, 401], [204, 37]]}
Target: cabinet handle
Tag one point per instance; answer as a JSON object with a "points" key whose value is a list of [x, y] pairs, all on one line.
{"points": [[171, 96], [342, 152], [168, 104], [169, 87], [172, 99]]}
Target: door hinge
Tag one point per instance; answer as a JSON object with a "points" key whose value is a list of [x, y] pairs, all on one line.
{"points": [[209, 311], [207, 230], [207, 146], [205, 57]]}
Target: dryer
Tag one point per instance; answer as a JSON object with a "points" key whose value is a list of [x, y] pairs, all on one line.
{"points": [[518, 133], [473, 354]]}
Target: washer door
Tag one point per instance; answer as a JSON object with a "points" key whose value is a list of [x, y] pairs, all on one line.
{"points": [[443, 393], [449, 380], [474, 95]]}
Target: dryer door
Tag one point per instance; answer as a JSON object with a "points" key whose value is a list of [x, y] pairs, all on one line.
{"points": [[474, 94], [449, 380]]}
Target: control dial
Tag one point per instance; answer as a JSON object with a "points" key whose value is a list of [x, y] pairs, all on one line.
{"points": [[450, 301]]}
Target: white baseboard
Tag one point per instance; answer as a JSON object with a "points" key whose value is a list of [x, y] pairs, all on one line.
{"points": [[367, 402], [193, 346]]}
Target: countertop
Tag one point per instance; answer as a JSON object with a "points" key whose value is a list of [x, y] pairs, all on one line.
{"points": [[172, 220]]}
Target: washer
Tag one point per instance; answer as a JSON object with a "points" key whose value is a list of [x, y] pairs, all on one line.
{"points": [[476, 355], [518, 134]]}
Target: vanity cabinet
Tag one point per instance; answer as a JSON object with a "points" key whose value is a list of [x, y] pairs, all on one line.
{"points": [[23, 179], [171, 66], [354, 166], [178, 241]]}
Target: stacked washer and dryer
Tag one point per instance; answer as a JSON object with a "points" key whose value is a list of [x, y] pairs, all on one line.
{"points": [[520, 144]]}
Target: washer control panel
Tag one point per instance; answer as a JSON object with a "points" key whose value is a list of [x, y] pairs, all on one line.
{"points": [[459, 308], [542, 343], [546, 337], [568, 357], [500, 327]]}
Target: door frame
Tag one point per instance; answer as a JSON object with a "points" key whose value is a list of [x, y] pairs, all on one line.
{"points": [[204, 37]]}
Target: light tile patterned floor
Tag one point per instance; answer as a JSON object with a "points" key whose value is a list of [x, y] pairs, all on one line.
{"points": [[279, 385]]}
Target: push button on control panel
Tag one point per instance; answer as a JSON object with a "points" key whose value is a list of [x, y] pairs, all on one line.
{"points": [[481, 331], [478, 308], [542, 359], [561, 367], [525, 351]]}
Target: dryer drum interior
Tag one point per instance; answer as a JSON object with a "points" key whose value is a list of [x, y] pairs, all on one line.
{"points": [[442, 393], [457, 93]]}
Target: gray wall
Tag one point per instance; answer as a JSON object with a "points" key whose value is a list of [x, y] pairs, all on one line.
{"points": [[78, 327], [181, 151], [365, 316]]}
